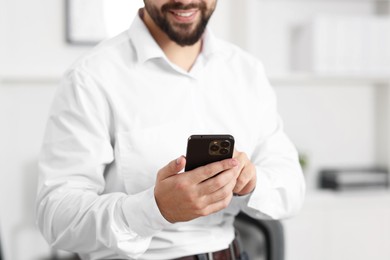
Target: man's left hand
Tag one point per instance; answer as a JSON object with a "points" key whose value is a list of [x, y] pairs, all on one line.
{"points": [[246, 181]]}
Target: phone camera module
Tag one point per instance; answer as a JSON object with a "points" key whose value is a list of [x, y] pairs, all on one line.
{"points": [[223, 151], [225, 144], [219, 147], [214, 147]]}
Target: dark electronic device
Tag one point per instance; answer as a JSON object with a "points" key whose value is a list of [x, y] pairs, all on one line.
{"points": [[205, 149], [354, 179]]}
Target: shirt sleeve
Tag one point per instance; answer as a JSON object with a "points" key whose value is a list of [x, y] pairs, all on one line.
{"points": [[280, 187], [72, 212]]}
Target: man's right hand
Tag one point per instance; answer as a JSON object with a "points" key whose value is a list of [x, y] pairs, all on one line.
{"points": [[189, 195]]}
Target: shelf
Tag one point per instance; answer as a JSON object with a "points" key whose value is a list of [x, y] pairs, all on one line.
{"points": [[313, 79], [23, 80]]}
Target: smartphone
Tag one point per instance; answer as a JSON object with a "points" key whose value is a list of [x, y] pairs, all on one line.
{"points": [[205, 149]]}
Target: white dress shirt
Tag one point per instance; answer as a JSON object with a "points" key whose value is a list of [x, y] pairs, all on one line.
{"points": [[123, 112]]}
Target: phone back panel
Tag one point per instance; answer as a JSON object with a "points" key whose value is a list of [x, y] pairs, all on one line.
{"points": [[205, 149]]}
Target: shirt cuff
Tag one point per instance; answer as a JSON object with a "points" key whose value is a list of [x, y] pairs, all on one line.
{"points": [[264, 197], [142, 213]]}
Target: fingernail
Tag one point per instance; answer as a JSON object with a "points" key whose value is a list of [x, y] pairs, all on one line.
{"points": [[234, 162], [178, 160]]}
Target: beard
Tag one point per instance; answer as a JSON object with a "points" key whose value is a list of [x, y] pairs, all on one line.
{"points": [[184, 34]]}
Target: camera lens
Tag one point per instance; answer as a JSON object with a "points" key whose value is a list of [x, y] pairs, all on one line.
{"points": [[225, 144], [214, 148], [223, 151]]}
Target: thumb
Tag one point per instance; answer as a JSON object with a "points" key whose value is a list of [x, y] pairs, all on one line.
{"points": [[172, 168]]}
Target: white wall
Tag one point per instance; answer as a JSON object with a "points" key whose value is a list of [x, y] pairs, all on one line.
{"points": [[34, 45], [270, 25], [23, 112], [332, 124]]}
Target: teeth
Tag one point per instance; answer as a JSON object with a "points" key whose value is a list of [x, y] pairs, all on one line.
{"points": [[184, 14]]}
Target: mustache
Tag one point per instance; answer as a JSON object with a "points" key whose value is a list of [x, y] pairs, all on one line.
{"points": [[181, 6]]}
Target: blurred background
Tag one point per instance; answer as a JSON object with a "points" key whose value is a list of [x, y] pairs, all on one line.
{"points": [[329, 61]]}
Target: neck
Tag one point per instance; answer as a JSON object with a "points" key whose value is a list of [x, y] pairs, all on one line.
{"points": [[182, 56]]}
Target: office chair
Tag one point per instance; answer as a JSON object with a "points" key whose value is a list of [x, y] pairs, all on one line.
{"points": [[261, 239]]}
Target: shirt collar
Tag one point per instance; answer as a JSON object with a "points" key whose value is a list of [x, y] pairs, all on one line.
{"points": [[210, 44], [145, 45], [147, 48]]}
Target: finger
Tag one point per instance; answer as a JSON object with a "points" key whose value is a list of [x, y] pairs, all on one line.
{"points": [[171, 168], [211, 185], [248, 188], [246, 180], [243, 179], [218, 205], [242, 158], [203, 173], [235, 153], [221, 193], [216, 201]]}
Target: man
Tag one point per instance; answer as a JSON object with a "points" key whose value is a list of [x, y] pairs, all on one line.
{"points": [[126, 109]]}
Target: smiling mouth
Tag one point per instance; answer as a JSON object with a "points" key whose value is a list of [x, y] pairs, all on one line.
{"points": [[184, 15]]}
